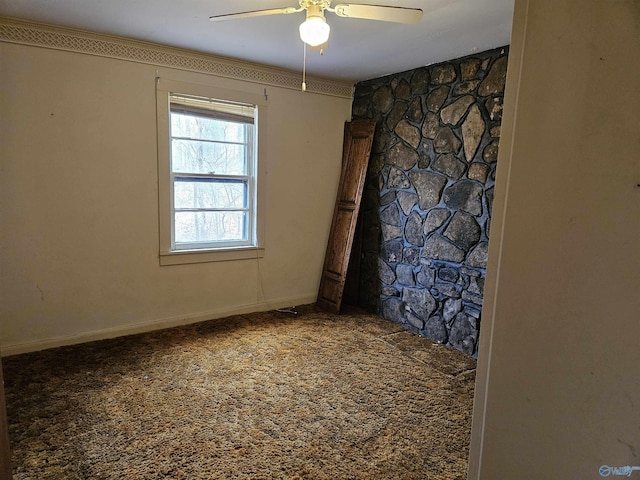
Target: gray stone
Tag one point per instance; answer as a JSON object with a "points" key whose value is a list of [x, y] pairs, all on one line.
{"points": [[402, 156], [451, 114], [437, 97], [391, 252], [463, 281], [463, 230], [429, 263], [429, 187], [442, 73], [494, 107], [438, 248], [448, 274], [450, 165], [420, 81], [489, 195], [381, 141], [494, 82], [446, 290], [408, 133], [383, 99], [411, 255], [413, 229], [424, 161], [464, 195], [409, 140], [462, 335], [389, 232], [363, 91], [376, 164], [419, 301], [390, 215], [393, 309], [472, 312], [478, 256], [385, 273], [472, 298], [397, 178], [470, 272], [435, 218], [403, 90], [414, 320], [463, 88], [478, 172], [407, 200], [468, 346], [451, 307], [435, 329], [446, 141], [476, 285], [430, 126], [414, 113], [473, 321], [360, 106], [472, 132], [405, 145], [387, 291], [490, 154], [426, 276], [396, 114], [469, 68], [404, 274], [387, 198]]}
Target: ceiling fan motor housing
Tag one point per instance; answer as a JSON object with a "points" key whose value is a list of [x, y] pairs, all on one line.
{"points": [[322, 4]]}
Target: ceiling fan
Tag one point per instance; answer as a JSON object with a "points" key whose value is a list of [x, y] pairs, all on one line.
{"points": [[314, 31]]}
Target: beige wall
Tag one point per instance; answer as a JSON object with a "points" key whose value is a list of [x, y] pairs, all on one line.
{"points": [[79, 207], [558, 392]]}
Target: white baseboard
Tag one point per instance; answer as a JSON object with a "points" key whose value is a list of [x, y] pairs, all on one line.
{"points": [[159, 324]]}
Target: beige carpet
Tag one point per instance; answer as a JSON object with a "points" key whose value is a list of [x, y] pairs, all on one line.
{"points": [[261, 396]]}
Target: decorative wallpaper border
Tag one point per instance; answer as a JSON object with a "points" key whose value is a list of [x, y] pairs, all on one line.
{"points": [[61, 38]]}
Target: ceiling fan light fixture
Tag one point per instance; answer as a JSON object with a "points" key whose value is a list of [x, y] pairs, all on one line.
{"points": [[314, 30]]}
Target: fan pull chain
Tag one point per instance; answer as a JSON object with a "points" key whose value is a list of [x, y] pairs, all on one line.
{"points": [[304, 68]]}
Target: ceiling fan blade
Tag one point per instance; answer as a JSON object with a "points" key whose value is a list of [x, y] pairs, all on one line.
{"points": [[379, 12], [254, 13]]}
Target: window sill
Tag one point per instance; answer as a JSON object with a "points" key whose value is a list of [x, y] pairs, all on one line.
{"points": [[185, 257]]}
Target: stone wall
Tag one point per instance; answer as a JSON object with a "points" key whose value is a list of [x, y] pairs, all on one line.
{"points": [[426, 210]]}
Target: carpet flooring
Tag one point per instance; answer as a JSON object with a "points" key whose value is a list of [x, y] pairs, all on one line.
{"points": [[261, 396]]}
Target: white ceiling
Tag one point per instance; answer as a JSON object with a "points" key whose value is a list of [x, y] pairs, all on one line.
{"points": [[358, 49]]}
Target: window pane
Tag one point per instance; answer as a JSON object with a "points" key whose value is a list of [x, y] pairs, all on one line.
{"points": [[209, 193], [192, 156], [210, 226], [203, 128]]}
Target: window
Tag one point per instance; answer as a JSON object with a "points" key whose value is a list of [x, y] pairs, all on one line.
{"points": [[212, 159], [208, 157]]}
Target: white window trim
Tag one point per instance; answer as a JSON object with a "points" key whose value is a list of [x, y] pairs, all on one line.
{"points": [[169, 256]]}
